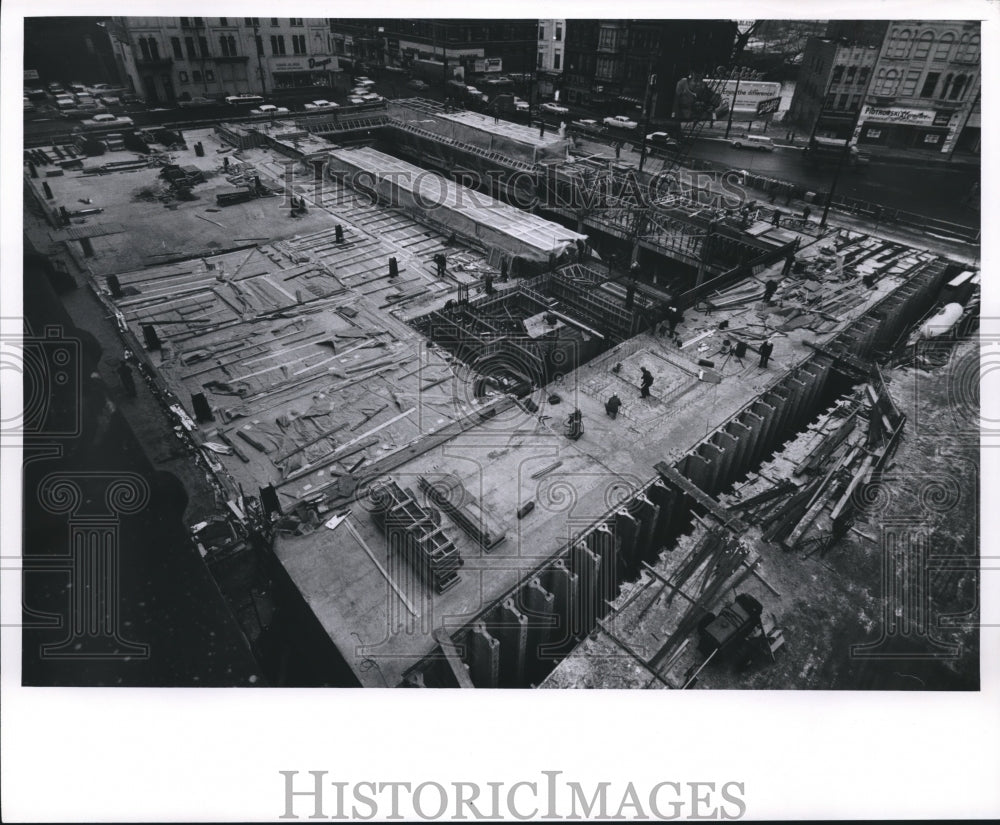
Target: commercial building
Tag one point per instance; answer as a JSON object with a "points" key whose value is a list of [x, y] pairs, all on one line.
{"points": [[915, 86], [835, 73], [176, 58], [463, 47], [611, 65], [925, 90], [68, 50], [551, 55]]}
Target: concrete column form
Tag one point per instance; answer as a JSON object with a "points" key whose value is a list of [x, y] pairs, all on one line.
{"points": [[512, 631], [538, 605], [587, 567], [601, 541], [484, 657], [775, 402], [780, 398], [729, 469], [743, 436], [755, 420], [647, 514], [563, 584], [714, 456], [664, 498], [799, 390], [627, 531], [697, 469]]}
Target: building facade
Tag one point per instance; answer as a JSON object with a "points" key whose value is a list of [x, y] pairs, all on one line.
{"points": [[551, 56], [176, 58], [463, 47], [68, 50], [828, 94], [628, 66], [924, 94]]}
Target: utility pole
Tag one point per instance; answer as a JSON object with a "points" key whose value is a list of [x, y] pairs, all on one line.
{"points": [[845, 154], [258, 45], [646, 111], [732, 106]]}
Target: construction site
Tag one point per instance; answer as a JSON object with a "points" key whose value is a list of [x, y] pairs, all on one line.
{"points": [[399, 360]]}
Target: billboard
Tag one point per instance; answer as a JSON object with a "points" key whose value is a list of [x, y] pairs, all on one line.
{"points": [[749, 94]]}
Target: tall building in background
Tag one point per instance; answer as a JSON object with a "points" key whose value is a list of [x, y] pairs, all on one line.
{"points": [[68, 50], [176, 58], [611, 65], [551, 55]]}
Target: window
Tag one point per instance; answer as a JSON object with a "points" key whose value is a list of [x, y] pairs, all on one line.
{"points": [[541, 31], [873, 133], [196, 76], [541, 60], [175, 44], [559, 31], [943, 50], [209, 74], [251, 21], [849, 78], [930, 84], [277, 44], [910, 83], [223, 21], [830, 102], [901, 46], [295, 21], [298, 43], [923, 46], [203, 45], [862, 75], [557, 61], [959, 89], [855, 100], [838, 73], [189, 45], [968, 49], [144, 48], [228, 45], [260, 44], [274, 21], [183, 77], [186, 22], [885, 84], [932, 139], [842, 102]]}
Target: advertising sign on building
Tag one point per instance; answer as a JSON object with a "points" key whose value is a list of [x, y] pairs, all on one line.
{"points": [[31, 74], [290, 64], [769, 106], [749, 94], [893, 115]]}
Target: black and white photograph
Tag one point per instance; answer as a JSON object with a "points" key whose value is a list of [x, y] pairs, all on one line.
{"points": [[489, 356]]}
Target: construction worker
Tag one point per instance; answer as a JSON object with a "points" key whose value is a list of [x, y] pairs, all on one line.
{"points": [[806, 212], [776, 218], [441, 261], [765, 353], [574, 425], [673, 318], [125, 376], [770, 287], [612, 405], [646, 383]]}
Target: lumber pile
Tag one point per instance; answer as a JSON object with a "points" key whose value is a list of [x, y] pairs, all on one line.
{"points": [[465, 510]]}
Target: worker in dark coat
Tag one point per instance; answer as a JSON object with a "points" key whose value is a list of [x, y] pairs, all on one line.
{"points": [[770, 287], [765, 352], [612, 405], [125, 376], [646, 383]]}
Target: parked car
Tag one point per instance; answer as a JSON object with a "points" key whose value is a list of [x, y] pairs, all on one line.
{"points": [[101, 89], [521, 105], [417, 84], [356, 100], [197, 102], [107, 121], [759, 142], [109, 100], [661, 140], [554, 108], [364, 81], [621, 122], [56, 89], [267, 110], [372, 97], [35, 93], [320, 105], [65, 102], [78, 89]]}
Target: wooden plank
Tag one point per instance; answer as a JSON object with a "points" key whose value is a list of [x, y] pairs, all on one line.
{"points": [[380, 568], [458, 668]]}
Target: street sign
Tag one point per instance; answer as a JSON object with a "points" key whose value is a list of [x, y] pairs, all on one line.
{"points": [[769, 106]]}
